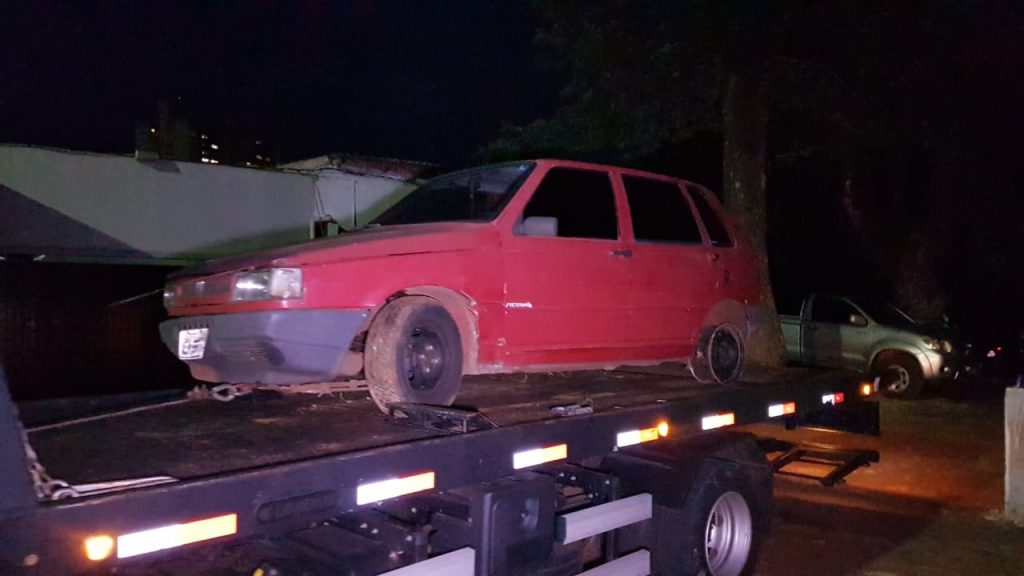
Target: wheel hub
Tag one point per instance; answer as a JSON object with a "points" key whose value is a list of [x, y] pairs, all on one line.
{"points": [[423, 359], [899, 378], [728, 535]]}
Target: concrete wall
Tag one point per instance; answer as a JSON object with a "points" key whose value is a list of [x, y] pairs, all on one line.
{"points": [[356, 200], [95, 206], [114, 206]]}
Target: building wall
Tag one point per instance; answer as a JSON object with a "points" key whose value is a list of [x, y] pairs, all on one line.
{"points": [[117, 207], [353, 200]]}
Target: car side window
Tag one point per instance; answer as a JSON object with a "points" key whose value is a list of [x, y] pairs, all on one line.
{"points": [[831, 310], [582, 201], [717, 232], [660, 212]]}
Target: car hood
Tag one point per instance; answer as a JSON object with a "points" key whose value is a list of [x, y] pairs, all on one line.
{"points": [[365, 243]]}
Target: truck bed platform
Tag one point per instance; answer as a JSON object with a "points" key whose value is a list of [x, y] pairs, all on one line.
{"points": [[206, 437]]}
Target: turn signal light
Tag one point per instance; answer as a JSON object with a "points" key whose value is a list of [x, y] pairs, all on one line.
{"points": [[99, 547]]}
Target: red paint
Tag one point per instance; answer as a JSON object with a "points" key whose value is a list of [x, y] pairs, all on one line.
{"points": [[534, 302]]}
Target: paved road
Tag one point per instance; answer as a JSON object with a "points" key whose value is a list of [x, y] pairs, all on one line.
{"points": [[931, 507]]}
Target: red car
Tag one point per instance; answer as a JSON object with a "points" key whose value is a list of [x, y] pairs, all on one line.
{"points": [[528, 266]]}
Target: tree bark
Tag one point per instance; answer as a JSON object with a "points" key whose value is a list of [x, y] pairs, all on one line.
{"points": [[745, 118]]}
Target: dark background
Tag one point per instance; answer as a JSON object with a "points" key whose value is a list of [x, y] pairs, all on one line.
{"points": [[893, 141]]}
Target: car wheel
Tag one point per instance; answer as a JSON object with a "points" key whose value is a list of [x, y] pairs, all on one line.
{"points": [[719, 355], [899, 376], [413, 354]]}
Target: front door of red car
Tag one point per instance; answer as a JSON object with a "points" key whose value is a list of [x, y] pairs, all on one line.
{"points": [[672, 287], [567, 274]]}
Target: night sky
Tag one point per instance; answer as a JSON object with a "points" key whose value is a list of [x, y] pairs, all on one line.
{"points": [[429, 81]]}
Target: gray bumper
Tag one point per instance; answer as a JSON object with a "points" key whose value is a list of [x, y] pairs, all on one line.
{"points": [[274, 347]]}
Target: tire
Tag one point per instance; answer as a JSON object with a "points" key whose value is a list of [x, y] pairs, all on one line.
{"points": [[719, 530], [900, 374], [413, 354], [719, 355]]}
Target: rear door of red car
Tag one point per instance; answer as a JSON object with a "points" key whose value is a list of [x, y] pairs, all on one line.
{"points": [[672, 286], [567, 285]]}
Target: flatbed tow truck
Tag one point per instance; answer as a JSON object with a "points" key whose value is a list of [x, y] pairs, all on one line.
{"points": [[627, 472]]}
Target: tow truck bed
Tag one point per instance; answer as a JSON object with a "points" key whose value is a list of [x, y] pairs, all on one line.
{"points": [[267, 468], [207, 437]]}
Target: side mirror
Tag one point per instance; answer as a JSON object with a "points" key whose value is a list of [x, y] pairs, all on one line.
{"points": [[540, 226], [858, 320]]}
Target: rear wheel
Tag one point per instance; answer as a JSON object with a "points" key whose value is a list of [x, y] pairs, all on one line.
{"points": [[719, 530], [719, 354], [899, 375], [413, 354]]}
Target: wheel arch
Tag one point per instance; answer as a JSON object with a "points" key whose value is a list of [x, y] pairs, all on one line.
{"points": [[728, 311], [896, 348]]}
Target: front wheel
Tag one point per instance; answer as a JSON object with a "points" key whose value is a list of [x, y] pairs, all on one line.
{"points": [[413, 354], [900, 375]]}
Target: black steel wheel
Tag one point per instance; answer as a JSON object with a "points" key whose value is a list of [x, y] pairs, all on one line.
{"points": [[719, 354], [413, 354]]}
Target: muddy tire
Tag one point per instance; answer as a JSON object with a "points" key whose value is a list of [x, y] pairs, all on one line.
{"points": [[719, 355], [900, 375], [413, 354]]}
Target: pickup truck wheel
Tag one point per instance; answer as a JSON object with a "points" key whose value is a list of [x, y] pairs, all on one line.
{"points": [[900, 375], [719, 354], [413, 354]]}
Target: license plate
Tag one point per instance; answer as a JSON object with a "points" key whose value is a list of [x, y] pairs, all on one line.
{"points": [[192, 343]]}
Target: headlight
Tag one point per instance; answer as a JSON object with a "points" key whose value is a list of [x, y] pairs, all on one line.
{"points": [[932, 343], [947, 346], [268, 284]]}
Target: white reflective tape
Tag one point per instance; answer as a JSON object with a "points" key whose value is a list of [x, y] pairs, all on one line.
{"points": [[146, 541], [461, 562], [781, 409], [636, 564], [394, 487], [718, 420], [528, 458], [636, 437]]}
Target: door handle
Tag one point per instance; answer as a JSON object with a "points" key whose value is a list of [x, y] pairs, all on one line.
{"points": [[622, 253], [713, 256]]}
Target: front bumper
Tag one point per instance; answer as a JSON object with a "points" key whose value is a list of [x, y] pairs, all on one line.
{"points": [[940, 366], [277, 347]]}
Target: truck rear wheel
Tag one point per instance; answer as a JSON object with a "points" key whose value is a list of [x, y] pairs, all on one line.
{"points": [[720, 527], [413, 354], [900, 375]]}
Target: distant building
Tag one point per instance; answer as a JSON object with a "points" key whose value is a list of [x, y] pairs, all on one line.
{"points": [[171, 136]]}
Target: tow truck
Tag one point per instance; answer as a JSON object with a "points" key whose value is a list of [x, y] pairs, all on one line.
{"points": [[626, 472]]}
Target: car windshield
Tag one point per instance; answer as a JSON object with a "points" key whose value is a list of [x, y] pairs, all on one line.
{"points": [[471, 195], [886, 314]]}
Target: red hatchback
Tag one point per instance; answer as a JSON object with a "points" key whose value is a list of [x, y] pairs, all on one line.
{"points": [[528, 266]]}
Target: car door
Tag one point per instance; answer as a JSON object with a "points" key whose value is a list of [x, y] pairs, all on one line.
{"points": [[672, 287], [829, 337], [567, 281]]}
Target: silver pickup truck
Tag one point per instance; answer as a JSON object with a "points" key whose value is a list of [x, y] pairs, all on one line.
{"points": [[873, 337]]}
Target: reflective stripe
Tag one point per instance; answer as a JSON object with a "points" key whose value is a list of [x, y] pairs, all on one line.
{"points": [[394, 487], [537, 456]]}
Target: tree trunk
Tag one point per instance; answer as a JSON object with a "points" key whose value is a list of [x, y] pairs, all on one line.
{"points": [[745, 123]]}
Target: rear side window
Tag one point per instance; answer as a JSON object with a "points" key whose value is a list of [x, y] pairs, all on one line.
{"points": [[831, 310], [717, 233], [583, 201], [660, 212]]}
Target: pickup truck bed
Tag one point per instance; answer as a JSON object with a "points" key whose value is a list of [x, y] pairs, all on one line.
{"points": [[206, 437]]}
